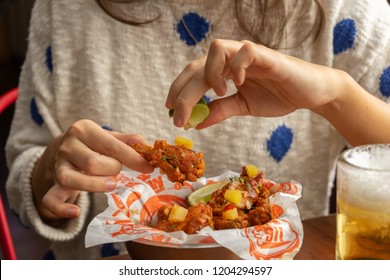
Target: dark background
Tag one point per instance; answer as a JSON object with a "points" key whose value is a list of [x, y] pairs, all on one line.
{"points": [[14, 21]]}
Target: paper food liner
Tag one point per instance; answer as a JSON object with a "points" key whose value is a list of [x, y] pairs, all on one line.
{"points": [[133, 207]]}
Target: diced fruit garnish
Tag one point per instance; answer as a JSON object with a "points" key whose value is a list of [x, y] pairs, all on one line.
{"points": [[230, 212], [233, 196], [203, 194], [251, 170], [182, 141], [177, 214]]}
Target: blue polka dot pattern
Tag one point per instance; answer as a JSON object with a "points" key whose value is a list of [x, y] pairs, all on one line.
{"points": [[344, 34], [384, 84], [195, 25], [108, 250], [37, 118], [49, 59], [280, 142], [106, 127]]}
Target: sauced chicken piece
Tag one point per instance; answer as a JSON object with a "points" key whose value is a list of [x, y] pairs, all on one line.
{"points": [[254, 208], [198, 217], [177, 162], [240, 222], [249, 188], [261, 213]]}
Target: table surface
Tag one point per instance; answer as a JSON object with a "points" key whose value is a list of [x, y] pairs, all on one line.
{"points": [[319, 240]]}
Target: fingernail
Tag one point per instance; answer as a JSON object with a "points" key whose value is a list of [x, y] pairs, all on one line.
{"points": [[110, 185], [178, 122], [72, 212]]}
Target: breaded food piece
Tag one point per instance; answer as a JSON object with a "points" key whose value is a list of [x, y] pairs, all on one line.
{"points": [[198, 217], [240, 222], [177, 162]]}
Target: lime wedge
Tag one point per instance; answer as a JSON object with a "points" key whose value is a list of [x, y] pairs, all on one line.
{"points": [[199, 114], [203, 194]]}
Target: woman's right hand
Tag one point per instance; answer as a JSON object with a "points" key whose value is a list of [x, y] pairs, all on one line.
{"points": [[82, 159]]}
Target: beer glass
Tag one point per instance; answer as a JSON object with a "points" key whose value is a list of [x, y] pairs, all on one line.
{"points": [[363, 203]]}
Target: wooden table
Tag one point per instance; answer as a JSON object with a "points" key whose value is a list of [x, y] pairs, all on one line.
{"points": [[319, 240]]}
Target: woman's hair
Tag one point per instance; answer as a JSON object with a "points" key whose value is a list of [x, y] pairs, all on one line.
{"points": [[265, 21]]}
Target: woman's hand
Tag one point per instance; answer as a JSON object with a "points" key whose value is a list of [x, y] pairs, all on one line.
{"points": [[268, 83], [271, 84], [83, 159]]}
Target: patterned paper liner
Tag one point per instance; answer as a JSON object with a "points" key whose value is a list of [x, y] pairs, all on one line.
{"points": [[133, 206]]}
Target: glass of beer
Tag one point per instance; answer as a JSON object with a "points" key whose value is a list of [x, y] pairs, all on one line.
{"points": [[363, 203]]}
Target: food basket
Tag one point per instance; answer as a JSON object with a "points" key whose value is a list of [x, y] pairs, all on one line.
{"points": [[132, 212]]}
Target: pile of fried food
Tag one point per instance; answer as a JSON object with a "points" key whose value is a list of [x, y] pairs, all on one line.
{"points": [[240, 203]]}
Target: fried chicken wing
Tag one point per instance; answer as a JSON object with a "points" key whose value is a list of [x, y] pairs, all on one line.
{"points": [[177, 162]]}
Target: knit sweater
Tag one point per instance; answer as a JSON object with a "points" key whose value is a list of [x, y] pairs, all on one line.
{"points": [[83, 64]]}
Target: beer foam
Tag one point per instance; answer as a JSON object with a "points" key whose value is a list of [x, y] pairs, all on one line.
{"points": [[375, 157], [367, 176]]}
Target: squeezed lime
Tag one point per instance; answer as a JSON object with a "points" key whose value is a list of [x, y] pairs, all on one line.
{"points": [[199, 113]]}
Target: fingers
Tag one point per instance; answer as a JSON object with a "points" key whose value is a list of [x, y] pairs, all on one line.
{"points": [[58, 203], [243, 62], [113, 147], [217, 66], [259, 62], [68, 177], [86, 159], [89, 156], [201, 75], [186, 90], [182, 80]]}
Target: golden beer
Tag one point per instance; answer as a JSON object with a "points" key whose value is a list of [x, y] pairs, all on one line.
{"points": [[362, 234], [363, 203]]}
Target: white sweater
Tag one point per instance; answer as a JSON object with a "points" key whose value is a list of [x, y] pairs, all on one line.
{"points": [[81, 63]]}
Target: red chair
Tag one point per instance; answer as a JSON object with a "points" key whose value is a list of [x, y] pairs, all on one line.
{"points": [[7, 244], [8, 99]]}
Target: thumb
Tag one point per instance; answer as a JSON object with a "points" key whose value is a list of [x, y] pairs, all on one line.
{"points": [[224, 108], [59, 203]]}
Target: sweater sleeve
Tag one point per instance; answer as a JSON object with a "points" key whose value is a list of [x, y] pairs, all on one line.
{"points": [[361, 44], [33, 128]]}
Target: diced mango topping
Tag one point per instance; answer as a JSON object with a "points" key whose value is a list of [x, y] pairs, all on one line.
{"points": [[233, 196], [251, 170], [177, 214], [181, 141], [230, 214]]}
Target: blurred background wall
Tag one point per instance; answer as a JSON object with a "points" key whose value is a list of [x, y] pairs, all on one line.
{"points": [[14, 22]]}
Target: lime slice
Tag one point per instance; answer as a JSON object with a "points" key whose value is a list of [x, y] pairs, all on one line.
{"points": [[198, 115], [203, 194], [201, 101]]}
